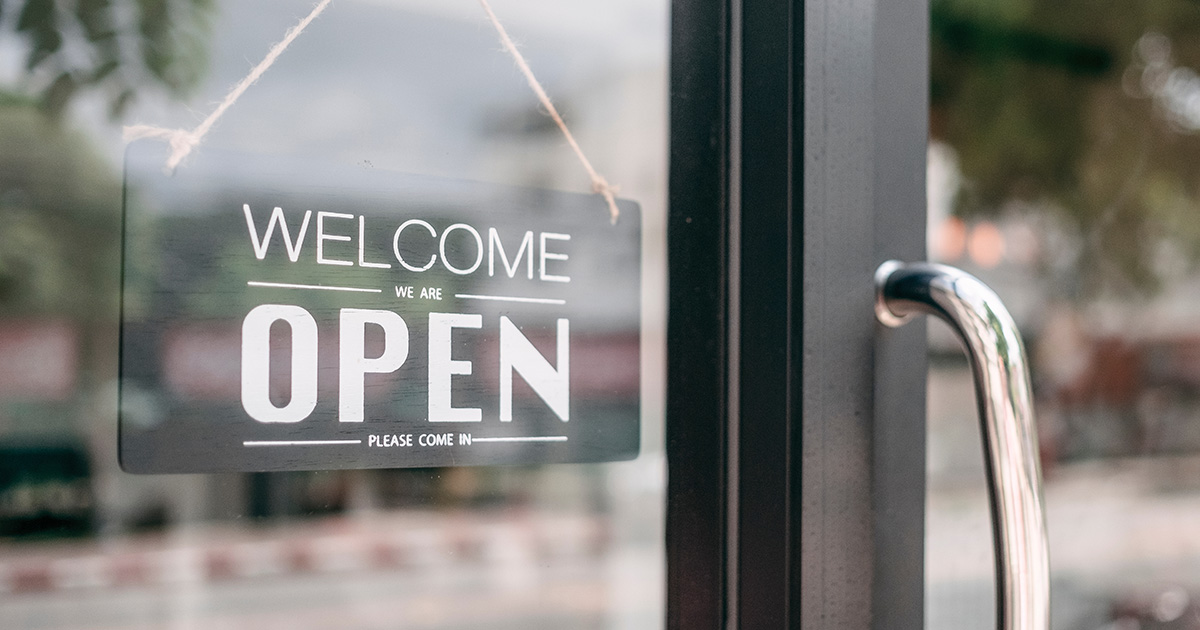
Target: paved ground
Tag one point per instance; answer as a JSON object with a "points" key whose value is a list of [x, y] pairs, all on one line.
{"points": [[1116, 528], [389, 571]]}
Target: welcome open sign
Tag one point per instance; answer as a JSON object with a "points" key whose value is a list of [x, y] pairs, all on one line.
{"points": [[281, 315]]}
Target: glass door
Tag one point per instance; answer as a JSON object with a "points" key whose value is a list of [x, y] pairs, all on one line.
{"points": [[115, 333], [1061, 173]]}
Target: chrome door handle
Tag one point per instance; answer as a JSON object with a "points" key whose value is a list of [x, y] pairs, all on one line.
{"points": [[1005, 401]]}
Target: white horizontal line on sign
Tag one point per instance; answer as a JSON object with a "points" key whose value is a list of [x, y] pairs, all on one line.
{"points": [[541, 438], [284, 285], [299, 442], [503, 298]]}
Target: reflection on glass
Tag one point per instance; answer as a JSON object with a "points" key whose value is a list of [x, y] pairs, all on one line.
{"points": [[417, 87], [1062, 173]]}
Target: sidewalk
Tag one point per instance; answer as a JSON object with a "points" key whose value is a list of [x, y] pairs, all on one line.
{"points": [[402, 541]]}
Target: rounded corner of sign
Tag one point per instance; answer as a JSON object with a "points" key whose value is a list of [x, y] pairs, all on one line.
{"points": [[631, 212], [129, 467], [634, 452]]}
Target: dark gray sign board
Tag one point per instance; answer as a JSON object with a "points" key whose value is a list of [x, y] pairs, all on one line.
{"points": [[284, 315]]}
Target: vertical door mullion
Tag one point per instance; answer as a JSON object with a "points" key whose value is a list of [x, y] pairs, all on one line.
{"points": [[697, 366], [766, 312]]}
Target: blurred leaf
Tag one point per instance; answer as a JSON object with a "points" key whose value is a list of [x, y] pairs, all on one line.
{"points": [[163, 46], [104, 70], [153, 26], [95, 17], [37, 14], [38, 21], [119, 104], [55, 99]]}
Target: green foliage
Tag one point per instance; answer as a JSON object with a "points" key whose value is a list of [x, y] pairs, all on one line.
{"points": [[59, 208], [59, 201], [1036, 98], [80, 45]]}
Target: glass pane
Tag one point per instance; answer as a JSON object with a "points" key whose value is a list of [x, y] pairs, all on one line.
{"points": [[1062, 172], [415, 87]]}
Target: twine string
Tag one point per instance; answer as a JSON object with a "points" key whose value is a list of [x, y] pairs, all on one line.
{"points": [[183, 141], [600, 185]]}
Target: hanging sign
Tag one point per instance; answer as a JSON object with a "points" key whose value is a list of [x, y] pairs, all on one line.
{"points": [[284, 315]]}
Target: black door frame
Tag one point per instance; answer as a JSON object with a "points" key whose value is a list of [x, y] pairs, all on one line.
{"points": [[795, 426]]}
